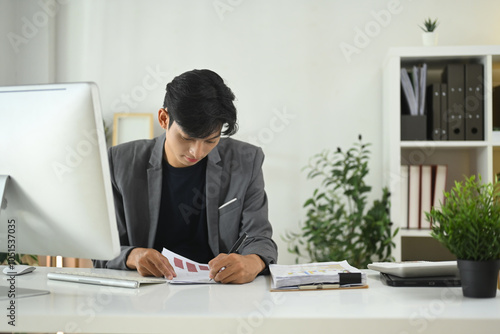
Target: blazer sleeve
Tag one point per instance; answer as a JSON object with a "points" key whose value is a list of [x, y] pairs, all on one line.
{"points": [[254, 217]]}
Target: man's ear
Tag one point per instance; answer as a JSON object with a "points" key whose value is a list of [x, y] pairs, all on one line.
{"points": [[163, 118]]}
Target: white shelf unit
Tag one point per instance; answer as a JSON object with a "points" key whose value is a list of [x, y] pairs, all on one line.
{"points": [[462, 157]]}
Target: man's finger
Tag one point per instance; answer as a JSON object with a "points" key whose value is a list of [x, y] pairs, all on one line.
{"points": [[166, 268], [216, 264]]}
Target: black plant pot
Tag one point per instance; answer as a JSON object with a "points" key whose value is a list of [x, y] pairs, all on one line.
{"points": [[479, 278]]}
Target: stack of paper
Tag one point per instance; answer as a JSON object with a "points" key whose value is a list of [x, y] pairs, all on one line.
{"points": [[187, 270], [333, 274], [414, 89]]}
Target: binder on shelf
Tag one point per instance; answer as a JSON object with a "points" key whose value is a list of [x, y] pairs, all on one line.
{"points": [[434, 111], [425, 194], [414, 197], [496, 108], [453, 76], [473, 104], [444, 111]]}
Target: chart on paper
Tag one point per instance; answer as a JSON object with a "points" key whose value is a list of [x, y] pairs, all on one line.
{"points": [[187, 270]]}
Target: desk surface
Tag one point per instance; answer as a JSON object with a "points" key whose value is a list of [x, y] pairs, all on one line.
{"points": [[248, 308]]}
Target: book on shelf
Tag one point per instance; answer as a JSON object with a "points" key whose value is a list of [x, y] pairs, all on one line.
{"points": [[316, 276], [425, 194], [422, 188], [414, 197], [439, 182], [404, 187]]}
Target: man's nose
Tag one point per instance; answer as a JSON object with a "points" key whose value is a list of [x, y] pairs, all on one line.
{"points": [[196, 149]]}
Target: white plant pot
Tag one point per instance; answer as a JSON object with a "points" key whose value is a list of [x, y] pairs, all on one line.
{"points": [[430, 38]]}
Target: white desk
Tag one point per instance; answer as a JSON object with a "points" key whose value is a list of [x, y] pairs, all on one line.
{"points": [[246, 309]]}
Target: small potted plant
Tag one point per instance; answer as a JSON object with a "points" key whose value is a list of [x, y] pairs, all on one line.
{"points": [[468, 224], [429, 37]]}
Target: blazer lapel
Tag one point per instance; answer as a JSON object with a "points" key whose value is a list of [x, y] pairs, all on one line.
{"points": [[212, 190], [155, 182]]}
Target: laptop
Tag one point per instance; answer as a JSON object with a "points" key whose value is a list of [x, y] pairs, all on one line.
{"points": [[416, 268], [430, 281]]}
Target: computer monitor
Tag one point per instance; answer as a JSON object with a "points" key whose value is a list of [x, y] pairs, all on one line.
{"points": [[55, 187]]}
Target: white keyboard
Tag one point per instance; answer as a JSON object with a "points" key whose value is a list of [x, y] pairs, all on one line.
{"points": [[107, 279]]}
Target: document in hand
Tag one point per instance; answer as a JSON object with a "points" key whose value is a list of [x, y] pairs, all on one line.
{"points": [[322, 275], [188, 271]]}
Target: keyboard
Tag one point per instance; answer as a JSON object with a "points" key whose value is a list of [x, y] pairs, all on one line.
{"points": [[104, 278]]}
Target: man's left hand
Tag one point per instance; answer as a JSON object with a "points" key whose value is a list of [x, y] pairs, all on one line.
{"points": [[235, 268]]}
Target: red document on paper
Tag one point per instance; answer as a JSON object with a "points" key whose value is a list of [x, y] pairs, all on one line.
{"points": [[187, 270]]}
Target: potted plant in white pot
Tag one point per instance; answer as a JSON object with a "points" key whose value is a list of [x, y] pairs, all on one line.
{"points": [[468, 224], [429, 36]]}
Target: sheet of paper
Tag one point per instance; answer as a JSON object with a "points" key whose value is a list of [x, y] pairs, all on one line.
{"points": [[187, 270]]}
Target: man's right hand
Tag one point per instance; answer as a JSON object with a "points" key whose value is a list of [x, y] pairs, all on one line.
{"points": [[150, 262]]}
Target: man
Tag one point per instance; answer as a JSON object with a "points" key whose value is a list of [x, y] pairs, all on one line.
{"points": [[192, 191]]}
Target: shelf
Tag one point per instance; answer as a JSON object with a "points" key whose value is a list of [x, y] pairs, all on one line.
{"points": [[455, 52], [415, 233], [443, 144], [463, 158]]}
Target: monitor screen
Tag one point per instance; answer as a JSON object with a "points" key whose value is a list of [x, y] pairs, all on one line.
{"points": [[54, 173]]}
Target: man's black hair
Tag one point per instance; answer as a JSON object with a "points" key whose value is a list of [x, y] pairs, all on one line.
{"points": [[201, 103]]}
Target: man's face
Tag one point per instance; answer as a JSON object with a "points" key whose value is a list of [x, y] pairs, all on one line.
{"points": [[184, 151]]}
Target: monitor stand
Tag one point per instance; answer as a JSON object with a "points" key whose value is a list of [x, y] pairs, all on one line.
{"points": [[5, 292], [8, 293], [3, 186]]}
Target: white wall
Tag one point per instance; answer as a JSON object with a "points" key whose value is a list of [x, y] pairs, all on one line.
{"points": [[297, 91]]}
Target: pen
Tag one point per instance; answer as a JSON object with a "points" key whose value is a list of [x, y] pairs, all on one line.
{"points": [[319, 286], [236, 247], [239, 242]]}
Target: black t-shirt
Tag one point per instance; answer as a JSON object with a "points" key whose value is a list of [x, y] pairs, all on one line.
{"points": [[182, 224]]}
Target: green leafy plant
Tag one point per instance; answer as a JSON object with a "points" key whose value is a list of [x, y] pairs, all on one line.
{"points": [[5, 259], [429, 25], [338, 225], [468, 223]]}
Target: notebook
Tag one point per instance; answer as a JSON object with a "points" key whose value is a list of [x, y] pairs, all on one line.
{"points": [[416, 268]]}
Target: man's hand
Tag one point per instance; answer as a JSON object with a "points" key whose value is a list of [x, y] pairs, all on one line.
{"points": [[150, 262], [235, 268]]}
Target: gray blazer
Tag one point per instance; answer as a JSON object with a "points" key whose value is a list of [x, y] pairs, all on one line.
{"points": [[234, 171]]}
